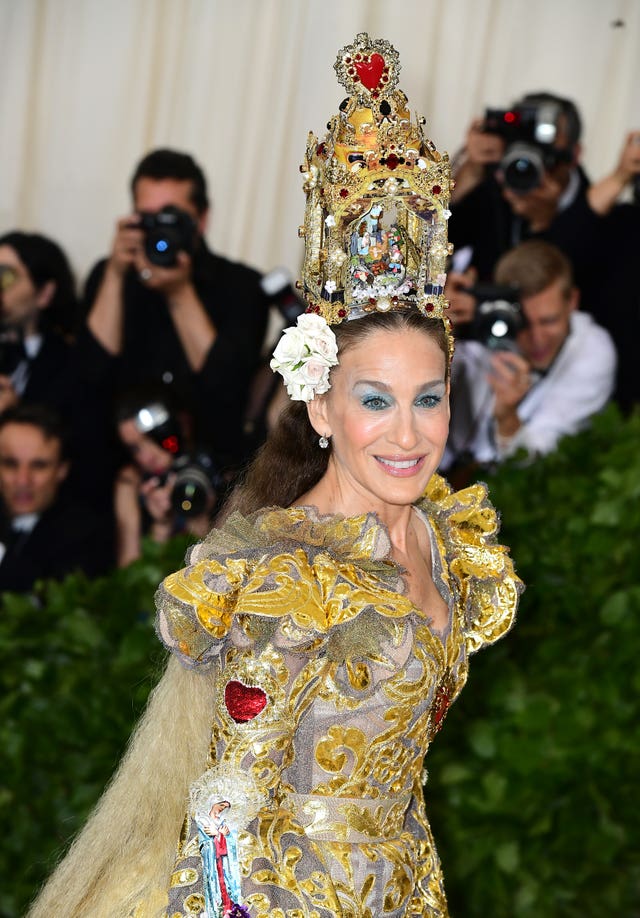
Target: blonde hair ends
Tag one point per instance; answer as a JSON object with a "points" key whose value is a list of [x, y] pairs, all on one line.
{"points": [[121, 862]]}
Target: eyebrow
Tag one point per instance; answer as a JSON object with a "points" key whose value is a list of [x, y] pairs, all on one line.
{"points": [[376, 383]]}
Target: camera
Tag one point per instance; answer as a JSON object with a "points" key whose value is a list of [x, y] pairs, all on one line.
{"points": [[196, 484], [197, 480], [277, 285], [498, 317], [167, 232], [530, 132]]}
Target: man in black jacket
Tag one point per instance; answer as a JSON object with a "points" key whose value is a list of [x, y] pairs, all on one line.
{"points": [[42, 534], [163, 309], [490, 216]]}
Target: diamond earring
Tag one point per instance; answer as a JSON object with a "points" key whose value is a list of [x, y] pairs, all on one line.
{"points": [[323, 442]]}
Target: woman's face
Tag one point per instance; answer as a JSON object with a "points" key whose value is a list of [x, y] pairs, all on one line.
{"points": [[148, 455], [388, 416], [20, 301]]}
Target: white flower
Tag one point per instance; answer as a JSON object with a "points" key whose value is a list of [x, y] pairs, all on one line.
{"points": [[304, 356], [330, 220], [290, 349], [330, 286]]}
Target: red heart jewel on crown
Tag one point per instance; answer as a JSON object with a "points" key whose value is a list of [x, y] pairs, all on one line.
{"points": [[370, 71], [244, 702]]}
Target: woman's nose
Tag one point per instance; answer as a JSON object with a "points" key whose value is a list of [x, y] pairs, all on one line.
{"points": [[404, 431]]}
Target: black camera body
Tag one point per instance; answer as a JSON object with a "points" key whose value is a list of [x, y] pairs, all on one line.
{"points": [[196, 486], [167, 232], [529, 132], [498, 317]]}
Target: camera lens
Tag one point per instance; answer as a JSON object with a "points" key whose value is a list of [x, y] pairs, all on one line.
{"points": [[161, 248], [192, 491], [522, 167], [497, 324]]}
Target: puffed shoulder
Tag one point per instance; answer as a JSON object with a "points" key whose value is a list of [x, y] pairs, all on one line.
{"points": [[481, 568], [307, 571]]}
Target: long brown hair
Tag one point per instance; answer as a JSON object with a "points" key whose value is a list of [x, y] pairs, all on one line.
{"points": [[290, 462]]}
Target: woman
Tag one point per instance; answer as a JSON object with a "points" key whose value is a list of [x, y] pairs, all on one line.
{"points": [[38, 310], [323, 638]]}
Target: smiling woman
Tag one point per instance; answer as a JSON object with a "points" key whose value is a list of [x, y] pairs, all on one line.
{"points": [[324, 627]]}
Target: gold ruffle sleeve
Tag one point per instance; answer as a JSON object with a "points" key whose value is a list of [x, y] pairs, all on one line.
{"points": [[481, 569], [310, 573]]}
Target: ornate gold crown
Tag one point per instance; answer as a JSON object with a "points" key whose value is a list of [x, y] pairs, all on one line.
{"points": [[375, 225]]}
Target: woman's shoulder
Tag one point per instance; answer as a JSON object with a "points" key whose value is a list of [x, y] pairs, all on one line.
{"points": [[487, 587], [290, 564]]}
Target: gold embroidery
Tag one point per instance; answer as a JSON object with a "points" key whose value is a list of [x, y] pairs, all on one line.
{"points": [[357, 685]]}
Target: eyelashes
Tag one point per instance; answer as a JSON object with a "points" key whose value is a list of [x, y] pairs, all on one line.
{"points": [[375, 402], [380, 402]]}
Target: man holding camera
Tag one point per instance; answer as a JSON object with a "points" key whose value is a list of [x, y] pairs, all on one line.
{"points": [[531, 370], [164, 309], [518, 178]]}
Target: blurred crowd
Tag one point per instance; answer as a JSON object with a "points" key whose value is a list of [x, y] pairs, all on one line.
{"points": [[129, 411]]}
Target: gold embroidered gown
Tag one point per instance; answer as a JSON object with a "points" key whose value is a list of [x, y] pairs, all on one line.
{"points": [[331, 685]]}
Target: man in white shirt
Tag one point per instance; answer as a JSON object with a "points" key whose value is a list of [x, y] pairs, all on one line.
{"points": [[561, 374]]}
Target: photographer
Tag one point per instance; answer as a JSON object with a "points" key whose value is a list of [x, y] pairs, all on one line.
{"points": [[519, 177], [163, 309], [540, 369], [166, 488]]}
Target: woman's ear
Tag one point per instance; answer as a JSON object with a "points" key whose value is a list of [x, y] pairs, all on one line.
{"points": [[317, 411], [46, 294]]}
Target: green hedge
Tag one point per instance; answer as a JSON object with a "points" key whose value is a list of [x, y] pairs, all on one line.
{"points": [[76, 666], [532, 791]]}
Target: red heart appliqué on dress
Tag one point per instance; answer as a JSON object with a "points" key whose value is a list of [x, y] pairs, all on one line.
{"points": [[244, 702], [370, 71]]}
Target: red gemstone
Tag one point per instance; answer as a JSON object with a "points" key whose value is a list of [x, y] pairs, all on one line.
{"points": [[436, 189], [372, 300], [342, 313], [442, 701], [429, 307], [370, 70], [347, 60], [244, 702], [344, 192], [320, 149], [392, 161]]}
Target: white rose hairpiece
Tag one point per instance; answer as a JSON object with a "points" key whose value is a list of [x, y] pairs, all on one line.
{"points": [[304, 355]]}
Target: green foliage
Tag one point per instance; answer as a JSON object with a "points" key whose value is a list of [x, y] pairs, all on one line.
{"points": [[77, 662], [533, 789]]}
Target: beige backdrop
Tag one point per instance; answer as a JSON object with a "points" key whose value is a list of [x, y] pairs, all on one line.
{"points": [[88, 86]]}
